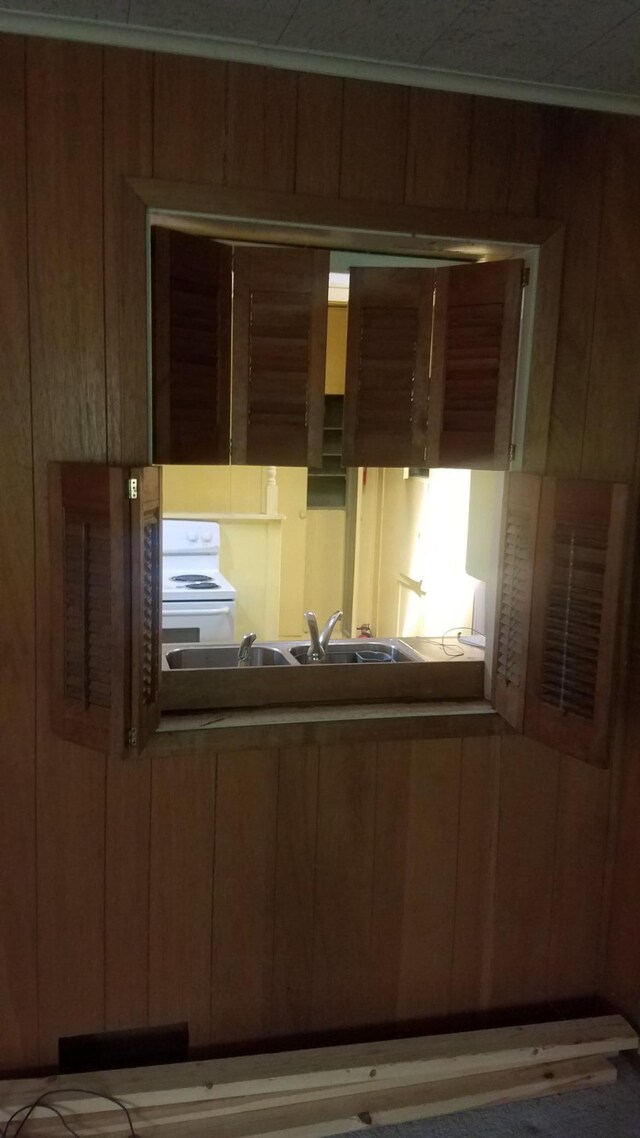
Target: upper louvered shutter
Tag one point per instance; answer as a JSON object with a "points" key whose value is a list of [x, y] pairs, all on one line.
{"points": [[146, 604], [280, 300], [513, 606], [89, 604], [476, 329], [574, 634], [387, 381], [191, 305]]}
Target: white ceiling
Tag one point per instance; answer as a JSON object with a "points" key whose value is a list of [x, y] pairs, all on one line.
{"points": [[574, 51]]}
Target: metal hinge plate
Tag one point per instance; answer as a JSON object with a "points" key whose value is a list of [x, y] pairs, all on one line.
{"points": [[133, 489], [132, 737], [512, 451]]}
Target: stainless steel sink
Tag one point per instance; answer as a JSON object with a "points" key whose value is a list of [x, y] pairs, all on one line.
{"points": [[352, 651], [225, 656]]}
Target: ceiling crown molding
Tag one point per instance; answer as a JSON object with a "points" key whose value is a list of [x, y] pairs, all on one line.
{"points": [[242, 51]]}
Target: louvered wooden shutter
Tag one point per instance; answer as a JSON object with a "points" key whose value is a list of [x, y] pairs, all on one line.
{"points": [[574, 635], [476, 331], [513, 606], [146, 604], [191, 305], [280, 300], [388, 344], [89, 604]]}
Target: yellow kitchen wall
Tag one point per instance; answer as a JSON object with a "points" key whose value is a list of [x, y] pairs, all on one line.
{"points": [[324, 562]]}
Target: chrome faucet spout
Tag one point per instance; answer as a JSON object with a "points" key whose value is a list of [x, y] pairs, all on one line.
{"points": [[244, 651], [319, 640]]}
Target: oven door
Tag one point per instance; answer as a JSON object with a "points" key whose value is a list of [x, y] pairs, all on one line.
{"points": [[185, 622]]}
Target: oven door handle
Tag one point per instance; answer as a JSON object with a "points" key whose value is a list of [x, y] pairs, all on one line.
{"points": [[186, 611]]}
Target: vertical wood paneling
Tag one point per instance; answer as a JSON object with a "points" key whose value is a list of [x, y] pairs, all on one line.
{"points": [[476, 876], [581, 848], [64, 155], [571, 190], [243, 899], [436, 173], [127, 147], [524, 164], [294, 891], [18, 972], [189, 119], [524, 872], [261, 127], [416, 840], [181, 892], [348, 887], [318, 151], [344, 882], [490, 163], [429, 899], [393, 790], [613, 399], [375, 122]]}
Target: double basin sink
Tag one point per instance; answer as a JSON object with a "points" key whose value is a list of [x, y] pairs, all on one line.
{"points": [[292, 653]]}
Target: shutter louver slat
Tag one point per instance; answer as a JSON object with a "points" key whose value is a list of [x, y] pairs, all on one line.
{"points": [[279, 346], [515, 582], [89, 599], [387, 375], [191, 348], [578, 572], [474, 358], [146, 617]]}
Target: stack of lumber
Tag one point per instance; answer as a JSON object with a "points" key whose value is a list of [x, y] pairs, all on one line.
{"points": [[330, 1090]]}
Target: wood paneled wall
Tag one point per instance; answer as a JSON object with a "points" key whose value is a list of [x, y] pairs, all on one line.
{"points": [[262, 894]]}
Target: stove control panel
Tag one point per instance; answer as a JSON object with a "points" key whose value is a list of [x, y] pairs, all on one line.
{"points": [[180, 536]]}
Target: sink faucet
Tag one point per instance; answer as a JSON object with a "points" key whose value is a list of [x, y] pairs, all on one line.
{"points": [[319, 640], [244, 651]]}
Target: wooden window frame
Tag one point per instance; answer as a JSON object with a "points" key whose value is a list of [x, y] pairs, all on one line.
{"points": [[305, 220]]}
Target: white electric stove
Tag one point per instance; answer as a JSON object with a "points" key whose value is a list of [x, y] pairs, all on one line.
{"points": [[198, 603]]}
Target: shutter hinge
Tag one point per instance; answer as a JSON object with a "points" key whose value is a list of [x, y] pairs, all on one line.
{"points": [[132, 489], [512, 451], [526, 276], [132, 737]]}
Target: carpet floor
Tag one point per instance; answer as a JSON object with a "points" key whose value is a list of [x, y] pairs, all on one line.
{"points": [[600, 1112]]}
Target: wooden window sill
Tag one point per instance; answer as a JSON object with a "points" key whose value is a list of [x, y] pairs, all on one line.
{"points": [[238, 729]]}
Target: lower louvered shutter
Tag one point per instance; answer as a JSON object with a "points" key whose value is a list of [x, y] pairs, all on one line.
{"points": [[280, 301], [515, 583], [89, 603], [574, 633], [387, 373], [476, 332], [146, 604]]}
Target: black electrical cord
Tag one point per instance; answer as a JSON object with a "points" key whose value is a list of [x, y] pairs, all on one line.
{"points": [[457, 628], [40, 1101]]}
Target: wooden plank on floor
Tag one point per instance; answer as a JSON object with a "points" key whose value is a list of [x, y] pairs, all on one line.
{"points": [[367, 1109], [424, 1059]]}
